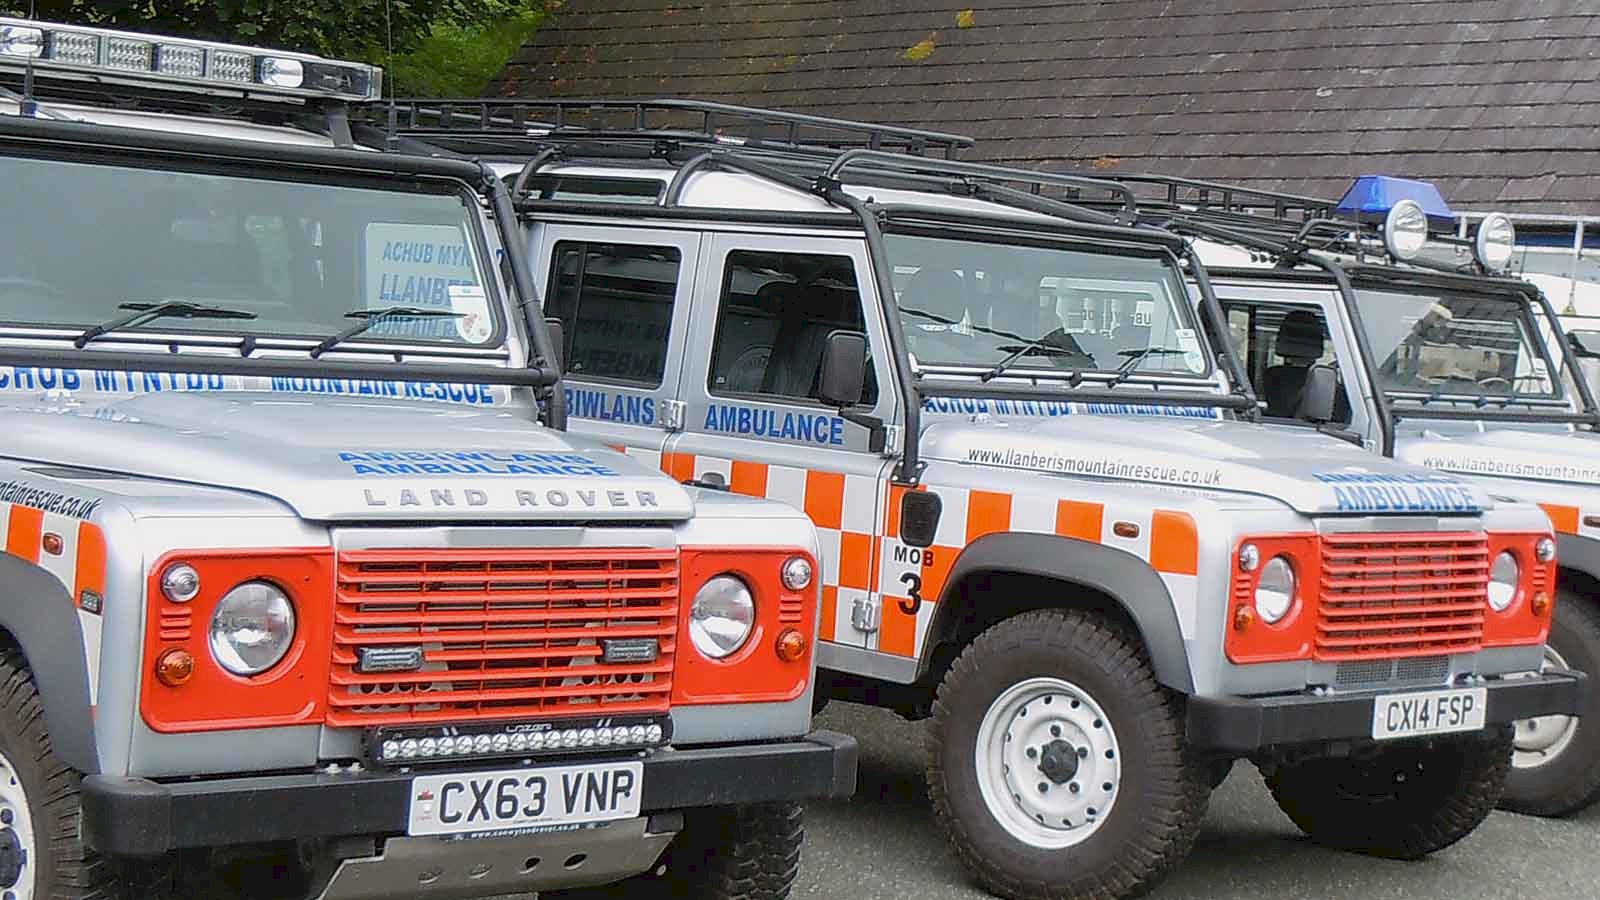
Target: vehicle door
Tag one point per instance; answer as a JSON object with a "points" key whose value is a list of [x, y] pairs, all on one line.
{"points": [[622, 296], [1278, 334], [764, 308]]}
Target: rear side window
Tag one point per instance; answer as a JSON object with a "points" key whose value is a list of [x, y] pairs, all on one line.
{"points": [[776, 314], [615, 304]]}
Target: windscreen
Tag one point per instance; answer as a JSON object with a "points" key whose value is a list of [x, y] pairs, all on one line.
{"points": [[82, 239], [1465, 344], [973, 303]]}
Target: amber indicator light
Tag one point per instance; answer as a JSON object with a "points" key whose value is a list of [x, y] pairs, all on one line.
{"points": [[175, 668], [791, 645]]}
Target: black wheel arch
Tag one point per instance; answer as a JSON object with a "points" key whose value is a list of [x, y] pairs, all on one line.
{"points": [[1113, 580], [39, 617], [1579, 560]]}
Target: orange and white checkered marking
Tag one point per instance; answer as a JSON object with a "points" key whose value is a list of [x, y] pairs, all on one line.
{"points": [[857, 518], [73, 551]]}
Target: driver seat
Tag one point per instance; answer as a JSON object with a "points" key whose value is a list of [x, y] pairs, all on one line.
{"points": [[1300, 342]]}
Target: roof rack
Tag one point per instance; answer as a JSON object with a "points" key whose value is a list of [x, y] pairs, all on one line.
{"points": [[655, 120]]}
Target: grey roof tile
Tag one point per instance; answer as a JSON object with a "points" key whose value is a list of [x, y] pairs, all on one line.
{"points": [[1499, 102]]}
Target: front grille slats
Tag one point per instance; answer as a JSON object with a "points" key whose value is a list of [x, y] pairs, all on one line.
{"points": [[1387, 596], [504, 633]]}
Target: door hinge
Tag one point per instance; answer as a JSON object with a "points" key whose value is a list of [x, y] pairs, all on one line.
{"points": [[672, 414], [891, 441], [865, 614]]}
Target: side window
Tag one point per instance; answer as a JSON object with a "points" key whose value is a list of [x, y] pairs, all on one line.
{"points": [[1280, 343], [615, 304], [776, 313]]}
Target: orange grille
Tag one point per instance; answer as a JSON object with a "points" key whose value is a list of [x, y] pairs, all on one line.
{"points": [[505, 633], [1393, 595]]}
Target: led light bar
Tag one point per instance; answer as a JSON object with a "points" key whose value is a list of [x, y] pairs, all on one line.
{"points": [[99, 54], [416, 746]]}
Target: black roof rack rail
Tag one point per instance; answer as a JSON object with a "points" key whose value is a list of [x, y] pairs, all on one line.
{"points": [[1217, 196], [671, 119]]}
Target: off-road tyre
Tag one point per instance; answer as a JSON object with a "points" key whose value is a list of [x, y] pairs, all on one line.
{"points": [[1570, 781], [63, 867], [1408, 801], [738, 853], [1164, 791]]}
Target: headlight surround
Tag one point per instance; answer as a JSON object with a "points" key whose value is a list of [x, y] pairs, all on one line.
{"points": [[1496, 242], [1275, 587], [252, 628], [722, 616], [1405, 230], [1505, 579]]}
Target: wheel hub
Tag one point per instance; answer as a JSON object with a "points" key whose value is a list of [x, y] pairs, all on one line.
{"points": [[1048, 763], [12, 858], [1540, 740], [1059, 761], [17, 839]]}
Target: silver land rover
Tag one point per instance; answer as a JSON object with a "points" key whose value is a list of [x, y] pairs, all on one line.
{"points": [[1049, 522], [1430, 353], [306, 591]]}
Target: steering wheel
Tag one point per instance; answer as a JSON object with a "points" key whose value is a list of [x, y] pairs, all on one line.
{"points": [[1493, 380]]}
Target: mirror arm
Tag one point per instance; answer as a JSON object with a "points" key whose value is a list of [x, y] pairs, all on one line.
{"points": [[877, 435]]}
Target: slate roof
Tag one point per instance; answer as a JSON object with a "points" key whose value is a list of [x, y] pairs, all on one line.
{"points": [[1498, 101]]}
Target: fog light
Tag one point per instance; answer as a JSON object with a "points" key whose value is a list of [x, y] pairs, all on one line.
{"points": [[791, 645], [175, 668], [1545, 550]]}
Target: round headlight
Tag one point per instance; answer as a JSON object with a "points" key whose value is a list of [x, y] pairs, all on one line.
{"points": [[252, 628], [722, 616], [1504, 577], [797, 573], [1497, 240], [1405, 230], [1275, 590], [180, 583]]}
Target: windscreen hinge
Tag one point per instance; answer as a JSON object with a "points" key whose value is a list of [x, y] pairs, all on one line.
{"points": [[672, 413]]}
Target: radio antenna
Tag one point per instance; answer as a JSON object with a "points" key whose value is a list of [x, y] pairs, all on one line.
{"points": [[28, 107], [392, 139]]}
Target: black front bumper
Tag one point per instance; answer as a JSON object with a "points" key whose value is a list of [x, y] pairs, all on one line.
{"points": [[1242, 725], [124, 816]]}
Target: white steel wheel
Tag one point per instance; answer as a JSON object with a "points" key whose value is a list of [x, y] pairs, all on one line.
{"points": [[18, 848], [1048, 763], [1538, 741]]}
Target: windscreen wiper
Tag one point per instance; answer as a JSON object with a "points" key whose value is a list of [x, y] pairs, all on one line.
{"points": [[371, 318], [1134, 358], [141, 313], [1036, 346]]}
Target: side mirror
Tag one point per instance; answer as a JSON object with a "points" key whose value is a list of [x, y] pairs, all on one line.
{"points": [[1585, 343], [919, 517], [1318, 395], [844, 369], [558, 340]]}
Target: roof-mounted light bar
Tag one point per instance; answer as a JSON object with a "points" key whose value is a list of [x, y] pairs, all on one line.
{"points": [[122, 57]]}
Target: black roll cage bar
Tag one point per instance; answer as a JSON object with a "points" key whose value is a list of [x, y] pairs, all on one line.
{"points": [[819, 168], [1290, 241], [68, 139]]}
